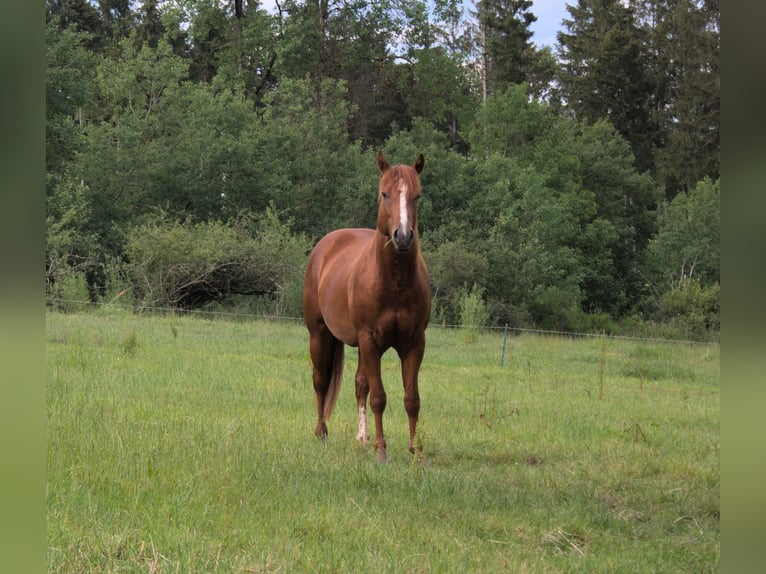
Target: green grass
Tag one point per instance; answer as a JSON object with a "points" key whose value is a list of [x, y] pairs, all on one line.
{"points": [[177, 444]]}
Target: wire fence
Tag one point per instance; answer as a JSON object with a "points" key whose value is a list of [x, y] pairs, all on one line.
{"points": [[505, 329]]}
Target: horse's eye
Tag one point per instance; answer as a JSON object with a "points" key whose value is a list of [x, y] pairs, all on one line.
{"points": [[384, 194]]}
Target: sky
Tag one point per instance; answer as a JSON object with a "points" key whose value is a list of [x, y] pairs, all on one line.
{"points": [[549, 15]]}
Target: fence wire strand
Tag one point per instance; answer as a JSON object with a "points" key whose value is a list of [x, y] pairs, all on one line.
{"points": [[267, 317]]}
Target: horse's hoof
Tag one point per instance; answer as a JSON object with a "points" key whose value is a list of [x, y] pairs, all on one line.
{"points": [[382, 456], [419, 458]]}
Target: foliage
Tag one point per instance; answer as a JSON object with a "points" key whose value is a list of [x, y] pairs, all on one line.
{"points": [[688, 243], [685, 37], [507, 52], [69, 248], [544, 174], [188, 265], [685, 262], [472, 312]]}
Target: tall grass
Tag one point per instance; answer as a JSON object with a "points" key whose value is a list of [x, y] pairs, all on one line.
{"points": [[178, 444]]}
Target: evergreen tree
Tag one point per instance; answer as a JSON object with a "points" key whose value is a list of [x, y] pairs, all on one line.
{"points": [[606, 73], [685, 39], [82, 16], [504, 34]]}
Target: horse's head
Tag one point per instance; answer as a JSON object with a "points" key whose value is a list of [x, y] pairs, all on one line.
{"points": [[398, 197]]}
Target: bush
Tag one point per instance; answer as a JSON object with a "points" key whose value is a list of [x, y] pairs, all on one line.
{"points": [[70, 292], [578, 321], [693, 310], [189, 265], [471, 309]]}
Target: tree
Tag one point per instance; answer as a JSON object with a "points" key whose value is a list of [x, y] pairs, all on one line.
{"points": [[439, 89], [69, 87], [684, 261], [684, 36], [117, 162], [508, 124], [247, 63], [150, 28], [504, 34], [605, 73], [79, 16], [628, 201], [688, 244], [210, 34]]}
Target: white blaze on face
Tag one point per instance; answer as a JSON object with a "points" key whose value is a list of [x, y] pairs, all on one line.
{"points": [[403, 223]]}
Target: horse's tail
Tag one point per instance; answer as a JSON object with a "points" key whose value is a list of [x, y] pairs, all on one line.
{"points": [[336, 379]]}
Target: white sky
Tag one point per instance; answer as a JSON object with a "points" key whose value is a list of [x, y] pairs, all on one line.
{"points": [[549, 15]]}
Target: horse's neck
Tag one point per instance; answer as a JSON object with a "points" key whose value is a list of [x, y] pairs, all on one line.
{"points": [[398, 267]]}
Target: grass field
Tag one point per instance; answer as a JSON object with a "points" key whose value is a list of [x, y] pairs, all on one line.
{"points": [[179, 444]]}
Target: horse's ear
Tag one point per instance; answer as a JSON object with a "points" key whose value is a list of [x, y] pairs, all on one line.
{"points": [[383, 165], [419, 163]]}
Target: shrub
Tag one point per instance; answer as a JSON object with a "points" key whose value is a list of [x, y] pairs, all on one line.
{"points": [[472, 310], [70, 292], [188, 265], [693, 310]]}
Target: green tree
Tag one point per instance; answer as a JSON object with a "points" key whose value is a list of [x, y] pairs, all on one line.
{"points": [[606, 73], [440, 90], [688, 244], [566, 215], [683, 263], [79, 16], [628, 201], [69, 89], [317, 180], [133, 90], [248, 61], [504, 41], [210, 34], [685, 39], [508, 124]]}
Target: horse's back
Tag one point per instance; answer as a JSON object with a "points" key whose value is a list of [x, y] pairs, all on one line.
{"points": [[335, 252]]}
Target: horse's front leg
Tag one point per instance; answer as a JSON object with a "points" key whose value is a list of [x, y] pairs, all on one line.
{"points": [[369, 367], [362, 392], [411, 359]]}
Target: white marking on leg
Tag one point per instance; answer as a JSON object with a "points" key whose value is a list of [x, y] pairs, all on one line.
{"points": [[361, 434]]}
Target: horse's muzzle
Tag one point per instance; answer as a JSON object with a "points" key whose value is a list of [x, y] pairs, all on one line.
{"points": [[403, 240]]}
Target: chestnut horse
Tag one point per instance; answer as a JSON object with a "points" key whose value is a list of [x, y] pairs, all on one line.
{"points": [[368, 288]]}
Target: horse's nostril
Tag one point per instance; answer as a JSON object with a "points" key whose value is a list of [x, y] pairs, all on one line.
{"points": [[402, 240]]}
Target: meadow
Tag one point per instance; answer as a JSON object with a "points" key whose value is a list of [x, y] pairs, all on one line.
{"points": [[185, 444]]}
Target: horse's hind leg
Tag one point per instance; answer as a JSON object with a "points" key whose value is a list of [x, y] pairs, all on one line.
{"points": [[322, 350]]}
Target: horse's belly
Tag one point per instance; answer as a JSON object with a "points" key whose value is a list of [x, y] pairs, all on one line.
{"points": [[335, 314], [342, 331]]}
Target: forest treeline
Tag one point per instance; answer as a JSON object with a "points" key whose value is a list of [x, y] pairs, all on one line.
{"points": [[196, 149]]}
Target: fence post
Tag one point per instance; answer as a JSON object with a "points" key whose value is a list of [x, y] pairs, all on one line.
{"points": [[505, 339]]}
